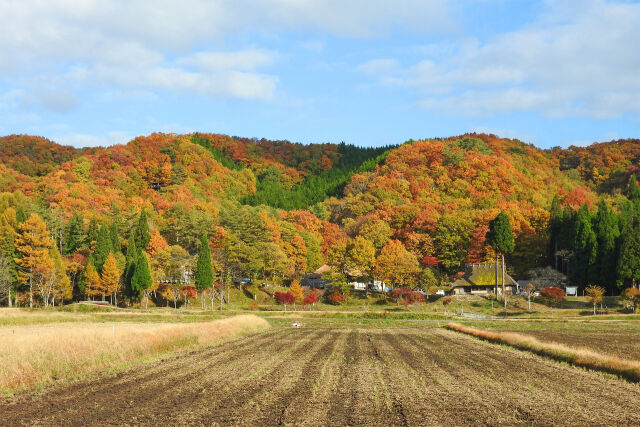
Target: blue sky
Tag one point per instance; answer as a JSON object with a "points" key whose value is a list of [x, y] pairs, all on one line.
{"points": [[367, 72]]}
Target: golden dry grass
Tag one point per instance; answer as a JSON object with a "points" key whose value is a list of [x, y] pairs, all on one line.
{"points": [[36, 354], [627, 369]]}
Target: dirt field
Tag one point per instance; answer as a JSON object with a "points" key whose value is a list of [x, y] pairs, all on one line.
{"points": [[324, 376]]}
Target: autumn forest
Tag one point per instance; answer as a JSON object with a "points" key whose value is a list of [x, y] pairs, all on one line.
{"points": [[169, 215]]}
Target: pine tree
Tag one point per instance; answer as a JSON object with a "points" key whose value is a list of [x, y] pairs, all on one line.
{"points": [[142, 231], [585, 247], [32, 244], [104, 246], [141, 278], [75, 230], [115, 238], [607, 234], [629, 259], [130, 265]]}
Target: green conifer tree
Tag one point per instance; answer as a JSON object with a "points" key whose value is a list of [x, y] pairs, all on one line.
{"points": [[103, 248], [629, 259], [130, 265], [75, 231], [607, 234], [92, 233], [141, 278], [633, 190], [115, 238], [204, 268], [500, 237], [142, 231], [585, 247]]}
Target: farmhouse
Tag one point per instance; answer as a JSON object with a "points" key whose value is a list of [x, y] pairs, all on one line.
{"points": [[480, 279]]}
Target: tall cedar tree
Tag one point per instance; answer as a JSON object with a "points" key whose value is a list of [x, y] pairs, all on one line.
{"points": [[500, 238], [141, 279], [130, 265], [585, 246], [204, 269], [607, 234], [104, 247], [75, 233], [114, 234], [142, 231], [629, 258], [32, 244], [92, 233]]}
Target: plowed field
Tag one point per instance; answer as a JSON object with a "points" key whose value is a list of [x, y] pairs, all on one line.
{"points": [[323, 376]]}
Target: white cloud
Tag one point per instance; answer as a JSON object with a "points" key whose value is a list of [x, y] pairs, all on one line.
{"points": [[573, 61], [505, 133], [86, 140]]}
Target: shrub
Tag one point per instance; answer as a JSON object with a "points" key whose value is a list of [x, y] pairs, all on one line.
{"points": [[408, 296], [552, 294], [336, 298]]}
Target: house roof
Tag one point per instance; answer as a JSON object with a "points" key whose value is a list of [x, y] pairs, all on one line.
{"points": [[482, 275]]}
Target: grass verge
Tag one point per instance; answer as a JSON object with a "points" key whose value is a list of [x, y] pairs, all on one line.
{"points": [[626, 369], [36, 355]]}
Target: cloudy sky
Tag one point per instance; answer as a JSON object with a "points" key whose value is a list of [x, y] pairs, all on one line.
{"points": [[368, 72]]}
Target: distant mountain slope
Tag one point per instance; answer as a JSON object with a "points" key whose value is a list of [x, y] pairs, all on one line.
{"points": [[436, 196], [34, 155]]}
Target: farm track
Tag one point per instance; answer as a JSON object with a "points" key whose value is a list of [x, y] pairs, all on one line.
{"points": [[323, 376]]}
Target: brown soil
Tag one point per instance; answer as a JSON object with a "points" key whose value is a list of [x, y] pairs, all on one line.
{"points": [[337, 377]]}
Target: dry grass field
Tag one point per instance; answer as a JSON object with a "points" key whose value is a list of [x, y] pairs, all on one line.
{"points": [[605, 338], [337, 376], [39, 353]]}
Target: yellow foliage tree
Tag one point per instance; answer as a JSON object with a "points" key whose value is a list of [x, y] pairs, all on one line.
{"points": [[32, 244], [296, 290], [111, 277], [93, 281]]}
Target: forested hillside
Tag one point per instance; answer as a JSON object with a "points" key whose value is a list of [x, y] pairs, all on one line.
{"points": [[273, 210]]}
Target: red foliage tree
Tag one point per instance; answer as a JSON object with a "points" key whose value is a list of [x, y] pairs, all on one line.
{"points": [[311, 298], [284, 298]]}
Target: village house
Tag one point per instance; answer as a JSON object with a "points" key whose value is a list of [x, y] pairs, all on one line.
{"points": [[480, 279]]}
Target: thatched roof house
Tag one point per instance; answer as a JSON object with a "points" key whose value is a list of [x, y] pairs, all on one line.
{"points": [[480, 279]]}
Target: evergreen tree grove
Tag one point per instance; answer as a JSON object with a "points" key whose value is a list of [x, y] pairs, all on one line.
{"points": [[204, 268], [585, 244]]}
